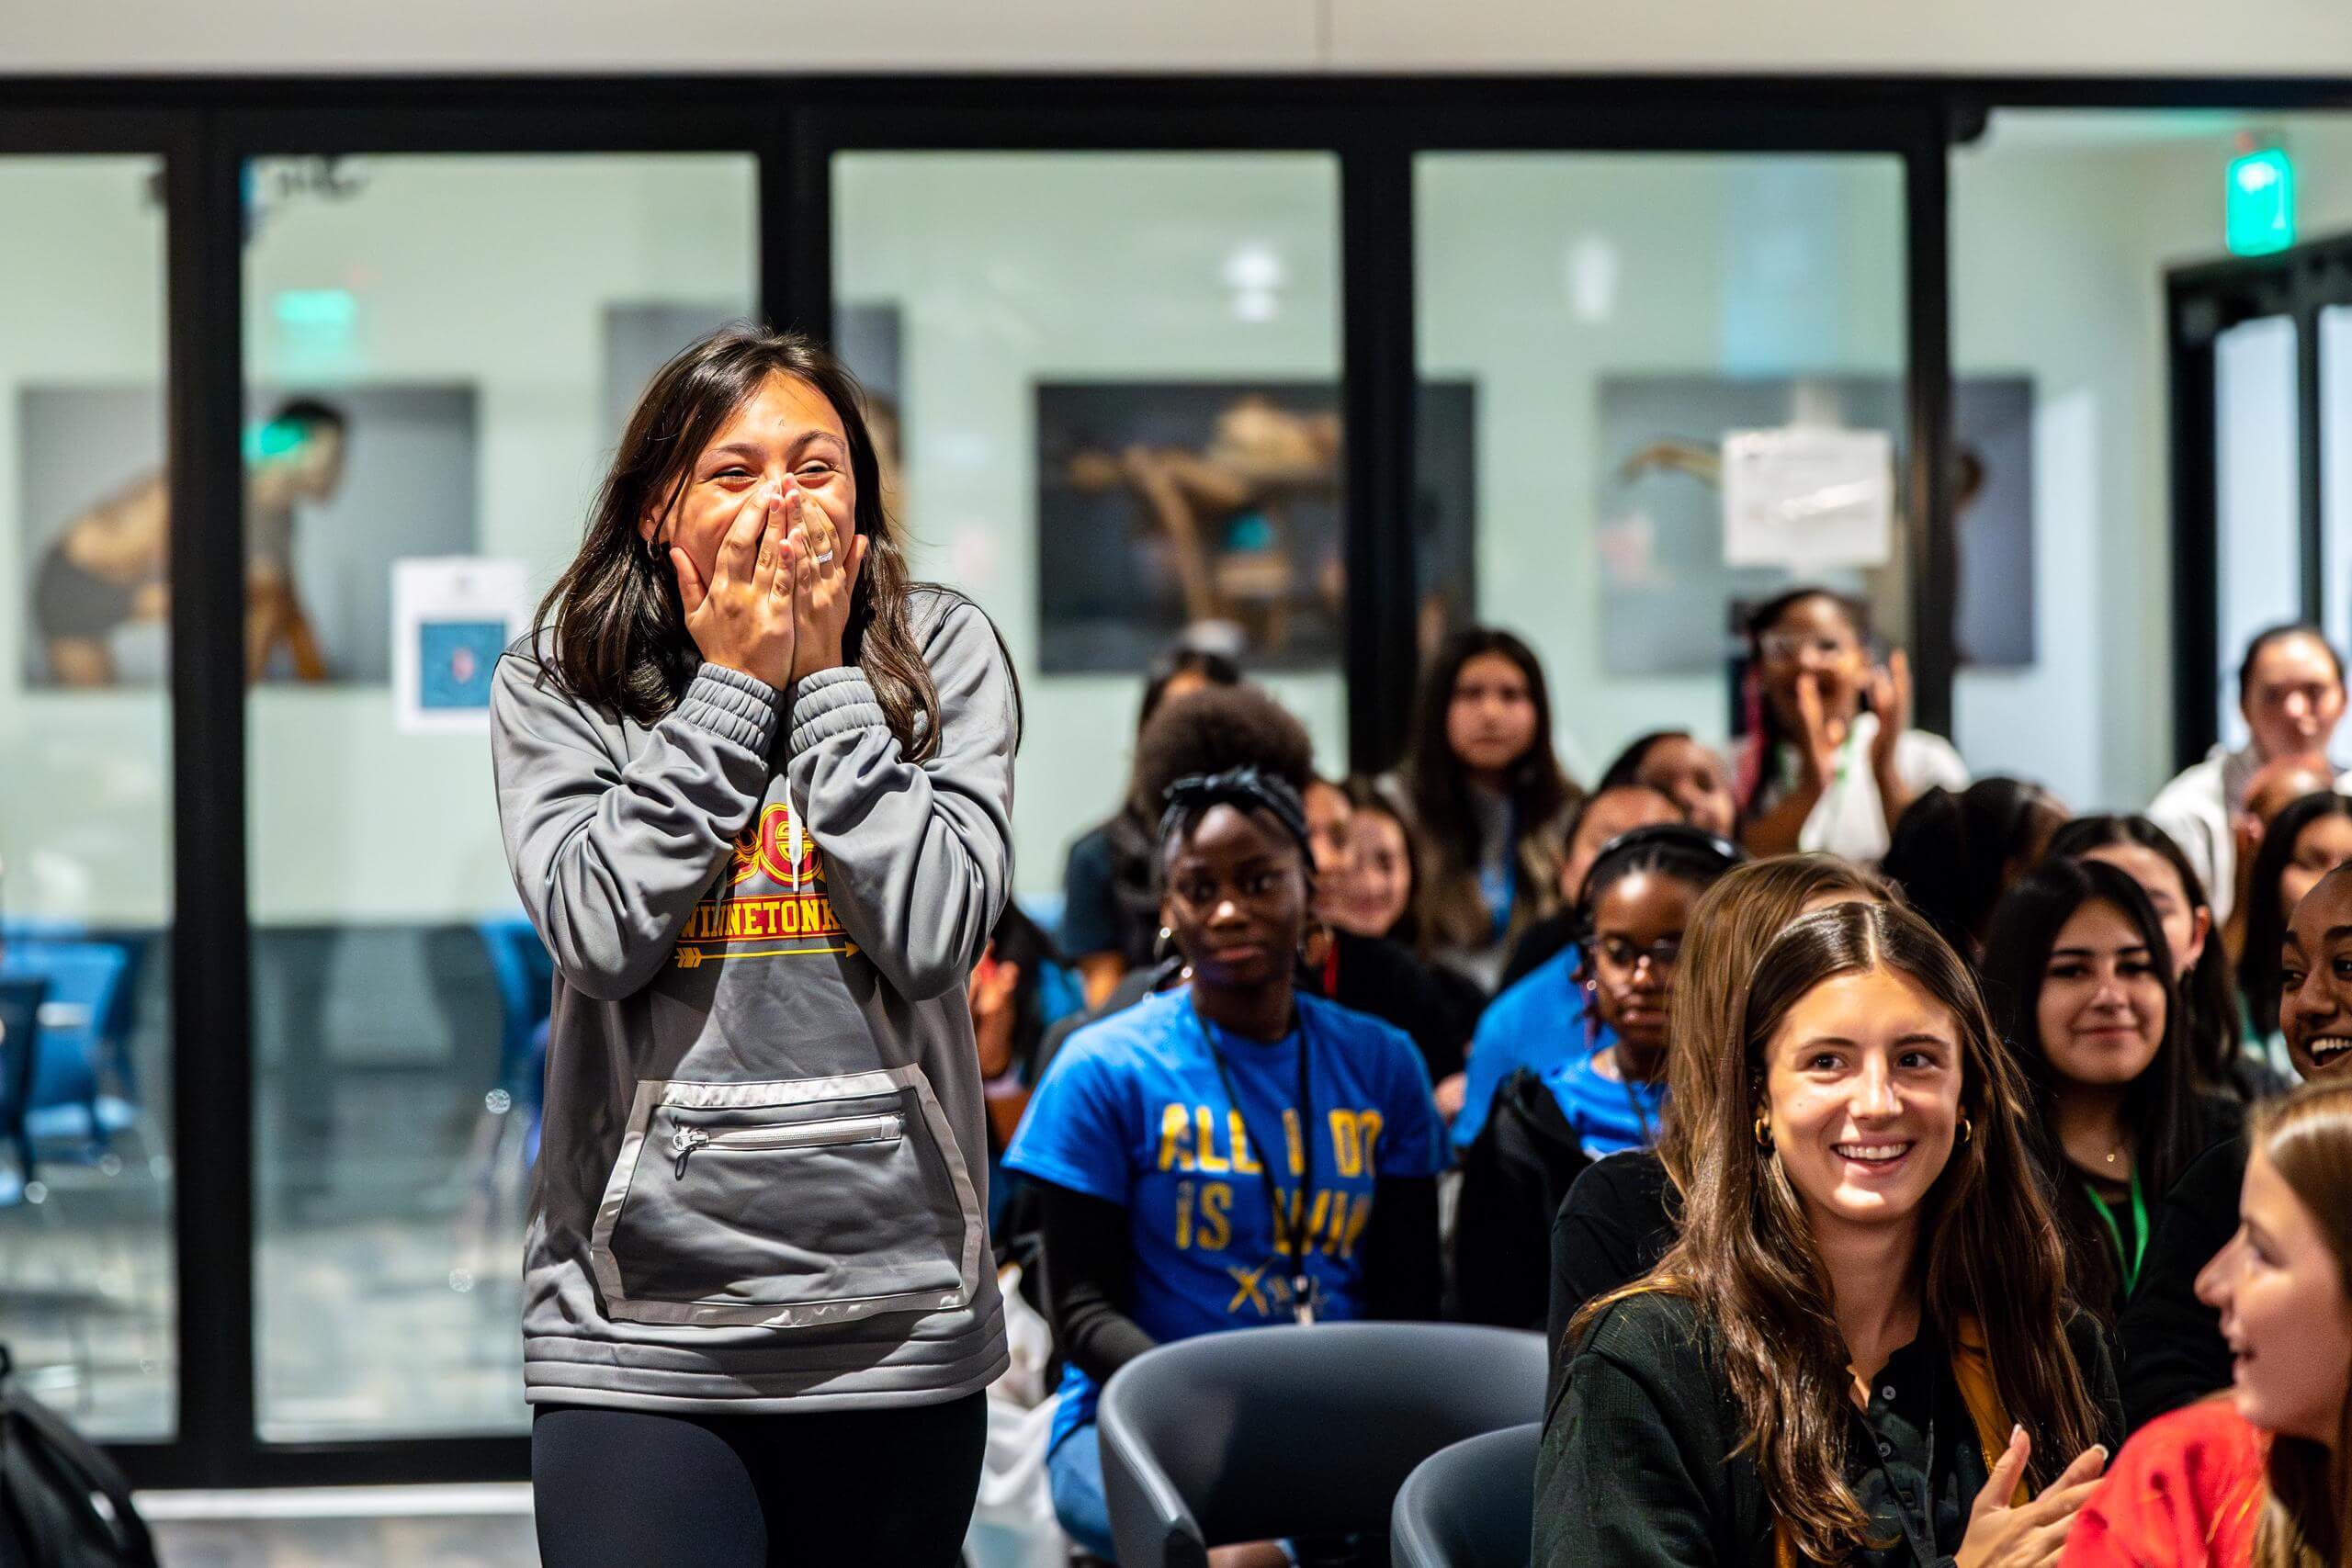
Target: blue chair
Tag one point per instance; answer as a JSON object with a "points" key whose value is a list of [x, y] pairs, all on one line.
{"points": [[1469, 1506], [1263, 1434], [84, 1020], [524, 972], [20, 1001]]}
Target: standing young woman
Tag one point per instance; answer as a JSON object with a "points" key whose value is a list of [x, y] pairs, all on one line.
{"points": [[2309, 838], [1859, 1351], [2145, 853], [1831, 759], [1488, 797], [1619, 1218], [2079, 976], [2259, 1480], [1603, 1100], [756, 792], [1231, 1152]]}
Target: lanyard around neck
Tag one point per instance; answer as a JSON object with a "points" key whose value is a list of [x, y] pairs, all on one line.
{"points": [[1289, 1241], [2130, 1257]]}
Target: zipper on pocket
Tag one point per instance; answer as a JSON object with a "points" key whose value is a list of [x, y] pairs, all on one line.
{"points": [[875, 1129]]}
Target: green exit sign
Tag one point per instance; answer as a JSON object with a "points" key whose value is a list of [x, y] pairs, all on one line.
{"points": [[2261, 212]]}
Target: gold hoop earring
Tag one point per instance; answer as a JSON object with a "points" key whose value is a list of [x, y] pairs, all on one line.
{"points": [[1967, 1128], [1763, 1131]]}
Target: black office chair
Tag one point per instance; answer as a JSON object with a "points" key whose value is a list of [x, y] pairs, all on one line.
{"points": [[1290, 1432], [1469, 1506]]}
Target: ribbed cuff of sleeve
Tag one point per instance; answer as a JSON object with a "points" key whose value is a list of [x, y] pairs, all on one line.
{"points": [[732, 705], [830, 702]]}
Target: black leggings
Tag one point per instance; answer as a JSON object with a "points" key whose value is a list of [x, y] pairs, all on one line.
{"points": [[627, 1488]]}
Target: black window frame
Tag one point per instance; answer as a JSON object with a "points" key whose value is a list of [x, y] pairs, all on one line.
{"points": [[205, 127]]}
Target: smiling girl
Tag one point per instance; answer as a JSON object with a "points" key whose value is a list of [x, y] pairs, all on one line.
{"points": [[1859, 1351], [2259, 1478], [2078, 972], [756, 791]]}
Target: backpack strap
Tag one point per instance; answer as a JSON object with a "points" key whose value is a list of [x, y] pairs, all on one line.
{"points": [[100, 1472]]}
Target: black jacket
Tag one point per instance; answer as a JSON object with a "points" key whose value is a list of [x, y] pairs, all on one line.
{"points": [[1617, 1222], [1639, 1467], [2173, 1351], [1515, 1176]]}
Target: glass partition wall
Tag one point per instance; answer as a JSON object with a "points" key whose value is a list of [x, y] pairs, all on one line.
{"points": [[1307, 370]]}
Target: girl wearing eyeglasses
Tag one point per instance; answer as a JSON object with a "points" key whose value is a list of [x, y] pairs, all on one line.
{"points": [[1831, 759], [1546, 1127]]}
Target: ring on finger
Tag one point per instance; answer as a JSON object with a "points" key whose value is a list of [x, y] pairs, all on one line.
{"points": [[822, 558]]}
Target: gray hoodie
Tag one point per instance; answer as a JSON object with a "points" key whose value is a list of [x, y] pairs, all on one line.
{"points": [[762, 1181]]}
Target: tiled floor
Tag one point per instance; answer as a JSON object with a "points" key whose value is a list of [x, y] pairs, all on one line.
{"points": [[486, 1527]]}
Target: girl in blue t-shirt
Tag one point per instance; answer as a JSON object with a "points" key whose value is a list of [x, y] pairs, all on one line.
{"points": [[1605, 1099], [1231, 1152]]}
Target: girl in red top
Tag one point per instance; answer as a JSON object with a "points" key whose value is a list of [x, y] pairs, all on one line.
{"points": [[2258, 1480]]}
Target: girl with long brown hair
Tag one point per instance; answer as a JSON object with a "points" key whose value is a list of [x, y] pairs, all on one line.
{"points": [[1488, 797], [1859, 1351], [756, 790], [1621, 1216], [2259, 1478]]}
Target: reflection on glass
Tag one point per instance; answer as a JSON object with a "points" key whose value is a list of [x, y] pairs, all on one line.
{"points": [[2258, 569], [1119, 382], [441, 349], [87, 1289], [1618, 316]]}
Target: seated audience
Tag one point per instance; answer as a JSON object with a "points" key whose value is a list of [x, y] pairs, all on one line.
{"points": [[2146, 853], [2078, 975], [2260, 1477], [1488, 797], [1599, 816], [1375, 899], [2276, 785], [1538, 1019], [2290, 689], [1618, 1218], [1605, 1098], [1231, 1152], [1955, 852], [1861, 1351], [2307, 840], [1109, 907], [1691, 776], [1437, 1006], [2171, 1338], [1830, 760]]}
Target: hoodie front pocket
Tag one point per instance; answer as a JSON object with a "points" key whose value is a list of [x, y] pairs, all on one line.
{"points": [[786, 1204]]}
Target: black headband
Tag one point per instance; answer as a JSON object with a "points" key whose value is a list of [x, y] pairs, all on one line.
{"points": [[1249, 787], [1672, 837]]}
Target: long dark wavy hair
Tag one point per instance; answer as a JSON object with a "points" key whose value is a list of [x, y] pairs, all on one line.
{"points": [[2266, 917], [1988, 1247], [2211, 1024], [2307, 1510], [1953, 853], [1448, 904], [620, 627], [2169, 1122]]}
